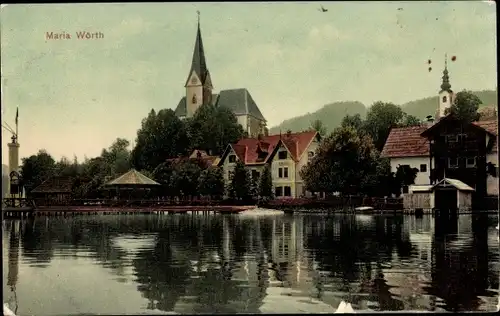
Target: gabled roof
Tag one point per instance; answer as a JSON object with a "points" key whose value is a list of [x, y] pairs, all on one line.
{"points": [[457, 184], [450, 117], [181, 109], [56, 184], [247, 149], [132, 178], [240, 102], [409, 142], [406, 142], [198, 154]]}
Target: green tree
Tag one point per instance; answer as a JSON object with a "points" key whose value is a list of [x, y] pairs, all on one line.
{"points": [[265, 187], [163, 174], [185, 178], [353, 120], [465, 107], [410, 120], [212, 128], [381, 117], [162, 135], [211, 182], [343, 163], [319, 127], [239, 187], [117, 156], [405, 176], [36, 169]]}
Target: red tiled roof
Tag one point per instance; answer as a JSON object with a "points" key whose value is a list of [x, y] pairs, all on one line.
{"points": [[247, 149], [489, 125], [208, 160], [406, 142], [492, 127]]}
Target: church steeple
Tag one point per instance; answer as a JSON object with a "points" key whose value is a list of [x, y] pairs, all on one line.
{"points": [[198, 63], [446, 95], [445, 85], [198, 84]]}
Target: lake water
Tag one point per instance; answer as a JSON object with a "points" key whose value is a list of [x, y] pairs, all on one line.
{"points": [[150, 264]]}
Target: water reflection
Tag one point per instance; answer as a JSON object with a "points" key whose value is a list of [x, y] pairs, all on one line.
{"points": [[231, 264]]}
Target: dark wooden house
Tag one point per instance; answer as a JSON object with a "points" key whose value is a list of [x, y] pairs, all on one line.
{"points": [[460, 151], [53, 191]]}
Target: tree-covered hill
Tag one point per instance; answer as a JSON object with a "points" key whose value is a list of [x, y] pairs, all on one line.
{"points": [[331, 114]]}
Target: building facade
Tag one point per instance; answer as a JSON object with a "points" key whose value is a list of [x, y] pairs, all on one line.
{"points": [[447, 147], [199, 91], [285, 154]]}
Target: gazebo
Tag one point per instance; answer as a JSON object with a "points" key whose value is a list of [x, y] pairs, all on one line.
{"points": [[134, 183]]}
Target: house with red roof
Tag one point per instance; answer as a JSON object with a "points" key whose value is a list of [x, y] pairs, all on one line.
{"points": [[198, 154], [286, 154], [448, 148]]}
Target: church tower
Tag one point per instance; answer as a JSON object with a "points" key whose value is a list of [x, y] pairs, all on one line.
{"points": [[446, 94], [198, 84]]}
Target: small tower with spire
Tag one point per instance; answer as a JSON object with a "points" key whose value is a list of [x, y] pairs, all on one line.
{"points": [[198, 84], [445, 94]]}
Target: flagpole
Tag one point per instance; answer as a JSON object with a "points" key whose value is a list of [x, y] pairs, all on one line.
{"points": [[17, 129]]}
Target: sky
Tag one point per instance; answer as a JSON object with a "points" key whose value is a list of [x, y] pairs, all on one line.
{"points": [[76, 96]]}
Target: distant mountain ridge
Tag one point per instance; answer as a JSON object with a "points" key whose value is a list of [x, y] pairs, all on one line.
{"points": [[331, 114]]}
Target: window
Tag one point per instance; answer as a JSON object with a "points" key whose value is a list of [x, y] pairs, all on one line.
{"points": [[232, 158], [255, 175], [310, 155], [423, 167], [282, 155], [470, 162], [453, 162], [445, 99], [451, 138], [193, 100], [288, 191], [283, 172], [278, 191], [461, 137]]}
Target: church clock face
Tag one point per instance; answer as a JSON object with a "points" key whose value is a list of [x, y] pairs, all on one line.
{"points": [[193, 80]]}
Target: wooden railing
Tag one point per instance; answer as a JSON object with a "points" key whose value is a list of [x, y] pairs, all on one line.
{"points": [[17, 202]]}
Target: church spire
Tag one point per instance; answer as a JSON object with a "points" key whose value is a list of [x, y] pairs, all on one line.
{"points": [[445, 85], [198, 64]]}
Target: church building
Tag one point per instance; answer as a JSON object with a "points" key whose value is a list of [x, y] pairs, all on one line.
{"points": [[199, 90]]}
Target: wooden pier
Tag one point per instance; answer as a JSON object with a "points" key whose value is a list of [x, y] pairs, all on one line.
{"points": [[17, 209]]}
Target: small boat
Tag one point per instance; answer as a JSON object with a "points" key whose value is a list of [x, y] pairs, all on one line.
{"points": [[364, 208], [344, 308], [7, 311]]}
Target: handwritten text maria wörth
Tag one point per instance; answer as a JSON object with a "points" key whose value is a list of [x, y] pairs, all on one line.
{"points": [[83, 35]]}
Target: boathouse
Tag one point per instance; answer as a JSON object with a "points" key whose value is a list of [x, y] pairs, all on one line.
{"points": [[53, 191], [447, 194]]}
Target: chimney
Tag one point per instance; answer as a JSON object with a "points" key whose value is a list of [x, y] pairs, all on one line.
{"points": [[288, 133], [429, 120], [260, 136], [266, 131]]}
